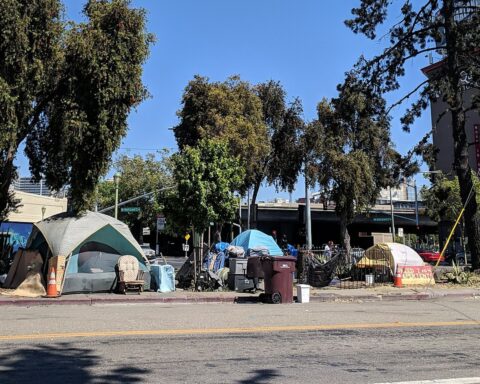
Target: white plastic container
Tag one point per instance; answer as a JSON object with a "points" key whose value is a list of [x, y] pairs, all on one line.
{"points": [[303, 293], [369, 279]]}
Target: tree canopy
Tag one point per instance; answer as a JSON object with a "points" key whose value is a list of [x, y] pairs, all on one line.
{"points": [[442, 200], [227, 110], [256, 122], [30, 47], [139, 175], [67, 89], [206, 176], [453, 28], [353, 156]]}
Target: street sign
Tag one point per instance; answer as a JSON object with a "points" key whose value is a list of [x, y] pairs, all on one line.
{"points": [[187, 236], [382, 219], [161, 223], [146, 231], [400, 232], [185, 247], [129, 209]]}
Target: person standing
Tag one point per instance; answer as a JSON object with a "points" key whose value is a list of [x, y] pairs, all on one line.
{"points": [[328, 249], [274, 235]]}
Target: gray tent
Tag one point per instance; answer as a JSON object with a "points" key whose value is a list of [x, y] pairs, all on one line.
{"points": [[91, 244]]}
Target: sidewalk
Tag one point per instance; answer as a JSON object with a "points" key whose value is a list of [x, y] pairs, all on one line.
{"points": [[384, 293]]}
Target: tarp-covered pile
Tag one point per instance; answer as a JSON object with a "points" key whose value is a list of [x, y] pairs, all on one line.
{"points": [[25, 275]]}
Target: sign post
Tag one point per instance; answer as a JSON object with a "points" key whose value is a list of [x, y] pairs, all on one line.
{"points": [[160, 227], [401, 234], [186, 248]]}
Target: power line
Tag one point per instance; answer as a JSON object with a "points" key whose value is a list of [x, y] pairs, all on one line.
{"points": [[143, 149]]}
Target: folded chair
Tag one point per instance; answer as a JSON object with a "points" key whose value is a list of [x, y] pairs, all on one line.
{"points": [[130, 276]]}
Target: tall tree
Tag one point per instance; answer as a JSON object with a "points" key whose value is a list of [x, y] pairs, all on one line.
{"points": [[255, 121], [286, 127], [353, 157], [30, 50], [140, 175], [206, 176], [449, 25], [67, 89], [228, 110]]}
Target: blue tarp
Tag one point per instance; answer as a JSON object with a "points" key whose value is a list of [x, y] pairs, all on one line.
{"points": [[254, 238], [292, 250], [164, 276], [220, 247], [218, 261]]}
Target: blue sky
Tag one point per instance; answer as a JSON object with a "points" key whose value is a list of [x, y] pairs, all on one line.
{"points": [[302, 43]]}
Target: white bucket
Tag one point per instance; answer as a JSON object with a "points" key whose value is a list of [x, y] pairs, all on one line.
{"points": [[369, 279], [303, 293]]}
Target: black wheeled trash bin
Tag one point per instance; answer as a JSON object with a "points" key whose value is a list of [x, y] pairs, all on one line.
{"points": [[278, 275]]}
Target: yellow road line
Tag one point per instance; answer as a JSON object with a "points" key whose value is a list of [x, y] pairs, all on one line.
{"points": [[245, 330]]}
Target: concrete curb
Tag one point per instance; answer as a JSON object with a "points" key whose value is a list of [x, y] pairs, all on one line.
{"points": [[192, 299], [102, 301]]}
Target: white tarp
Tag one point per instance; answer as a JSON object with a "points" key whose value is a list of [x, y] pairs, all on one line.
{"points": [[390, 255]]}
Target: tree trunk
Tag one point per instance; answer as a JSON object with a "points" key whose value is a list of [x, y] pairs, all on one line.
{"points": [[7, 175], [464, 174], [253, 211], [345, 236], [455, 101]]}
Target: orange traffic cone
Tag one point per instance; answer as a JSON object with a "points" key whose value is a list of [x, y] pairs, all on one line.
{"points": [[52, 284], [397, 280]]}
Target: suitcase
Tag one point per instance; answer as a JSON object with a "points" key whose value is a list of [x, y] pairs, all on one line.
{"points": [[238, 266], [239, 283]]}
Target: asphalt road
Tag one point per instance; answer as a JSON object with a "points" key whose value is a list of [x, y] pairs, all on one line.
{"points": [[313, 343]]}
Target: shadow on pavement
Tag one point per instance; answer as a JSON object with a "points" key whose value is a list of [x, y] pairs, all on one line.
{"points": [[260, 376], [62, 363], [247, 300]]}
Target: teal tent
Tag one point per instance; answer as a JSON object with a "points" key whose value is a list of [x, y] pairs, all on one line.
{"points": [[254, 239], [91, 244]]}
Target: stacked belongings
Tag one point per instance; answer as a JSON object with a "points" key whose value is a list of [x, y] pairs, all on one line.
{"points": [[25, 275], [235, 251], [237, 277], [214, 262], [246, 274], [185, 274], [216, 259]]}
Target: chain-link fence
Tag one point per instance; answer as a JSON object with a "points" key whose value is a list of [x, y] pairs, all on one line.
{"points": [[342, 270]]}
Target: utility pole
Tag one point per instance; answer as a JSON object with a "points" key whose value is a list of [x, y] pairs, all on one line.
{"points": [[416, 202], [308, 218], [240, 211], [116, 179], [248, 210], [393, 219]]}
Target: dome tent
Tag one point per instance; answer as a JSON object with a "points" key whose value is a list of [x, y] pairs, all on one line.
{"points": [[253, 238], [390, 255], [92, 243]]}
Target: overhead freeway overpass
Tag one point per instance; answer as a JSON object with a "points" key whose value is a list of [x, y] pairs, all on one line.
{"points": [[288, 218]]}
